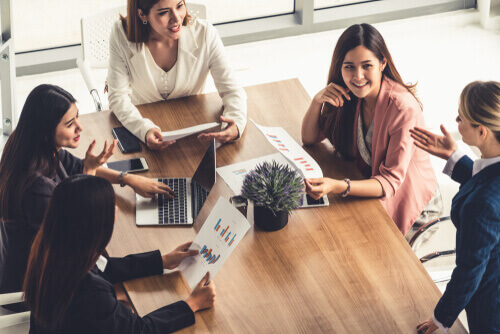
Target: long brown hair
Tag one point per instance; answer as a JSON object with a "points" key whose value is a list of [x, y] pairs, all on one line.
{"points": [[31, 148], [136, 31], [337, 123], [76, 229]]}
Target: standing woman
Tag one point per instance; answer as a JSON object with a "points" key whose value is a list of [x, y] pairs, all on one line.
{"points": [[366, 111], [159, 52], [34, 161], [475, 211], [68, 293]]}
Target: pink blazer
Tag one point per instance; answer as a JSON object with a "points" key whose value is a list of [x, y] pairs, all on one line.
{"points": [[405, 172]]}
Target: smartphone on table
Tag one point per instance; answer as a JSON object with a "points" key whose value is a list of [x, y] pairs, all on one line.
{"points": [[127, 142], [132, 165]]}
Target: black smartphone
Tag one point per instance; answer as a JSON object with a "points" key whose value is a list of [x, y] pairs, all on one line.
{"points": [[127, 142], [131, 166]]}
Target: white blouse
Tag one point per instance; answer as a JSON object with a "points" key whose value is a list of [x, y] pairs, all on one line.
{"points": [[164, 81]]}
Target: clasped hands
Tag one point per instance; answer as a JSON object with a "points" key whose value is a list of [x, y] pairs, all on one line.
{"points": [[154, 138]]}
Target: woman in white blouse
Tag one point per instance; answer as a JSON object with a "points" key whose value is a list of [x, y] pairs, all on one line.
{"points": [[159, 52]]}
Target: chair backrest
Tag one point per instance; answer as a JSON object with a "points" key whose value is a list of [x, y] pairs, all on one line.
{"points": [[95, 36], [97, 28]]}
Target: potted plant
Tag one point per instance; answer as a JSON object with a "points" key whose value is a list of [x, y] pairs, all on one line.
{"points": [[276, 190]]}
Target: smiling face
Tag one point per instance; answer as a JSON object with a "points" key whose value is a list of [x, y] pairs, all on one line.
{"points": [[165, 18], [362, 72], [68, 130]]}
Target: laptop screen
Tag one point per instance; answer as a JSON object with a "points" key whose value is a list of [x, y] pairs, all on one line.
{"points": [[205, 174]]}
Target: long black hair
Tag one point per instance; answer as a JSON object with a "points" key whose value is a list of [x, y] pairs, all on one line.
{"points": [[31, 147], [77, 227]]}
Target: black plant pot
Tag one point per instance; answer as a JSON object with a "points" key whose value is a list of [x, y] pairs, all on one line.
{"points": [[265, 219]]}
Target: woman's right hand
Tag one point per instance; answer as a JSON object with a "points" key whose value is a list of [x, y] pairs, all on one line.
{"points": [[92, 162], [154, 140], [333, 94], [203, 295], [440, 146]]}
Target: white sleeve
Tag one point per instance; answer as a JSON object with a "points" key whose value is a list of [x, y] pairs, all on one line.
{"points": [[119, 91], [452, 161], [233, 95]]}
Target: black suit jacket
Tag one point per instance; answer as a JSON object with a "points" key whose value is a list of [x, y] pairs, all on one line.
{"points": [[475, 282], [95, 309], [17, 236]]}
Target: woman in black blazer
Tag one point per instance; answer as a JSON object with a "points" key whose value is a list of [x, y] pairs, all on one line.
{"points": [[67, 292], [34, 161], [475, 211]]}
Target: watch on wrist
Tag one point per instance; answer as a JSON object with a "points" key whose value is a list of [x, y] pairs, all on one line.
{"points": [[120, 178], [348, 190]]}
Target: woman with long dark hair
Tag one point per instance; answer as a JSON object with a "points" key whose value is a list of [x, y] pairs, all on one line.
{"points": [[366, 111], [34, 161], [160, 52], [475, 211], [68, 293]]}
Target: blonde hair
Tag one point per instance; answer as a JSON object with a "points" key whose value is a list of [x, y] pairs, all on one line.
{"points": [[480, 105], [136, 31]]}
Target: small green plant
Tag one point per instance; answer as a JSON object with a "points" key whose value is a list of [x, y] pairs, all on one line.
{"points": [[274, 186]]}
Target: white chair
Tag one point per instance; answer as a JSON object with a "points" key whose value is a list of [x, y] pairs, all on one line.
{"points": [[13, 323], [95, 43]]}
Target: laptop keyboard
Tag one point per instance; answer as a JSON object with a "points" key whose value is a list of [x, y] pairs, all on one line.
{"points": [[173, 211], [200, 198]]}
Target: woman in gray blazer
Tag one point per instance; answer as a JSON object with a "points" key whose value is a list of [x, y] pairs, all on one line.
{"points": [[159, 52]]}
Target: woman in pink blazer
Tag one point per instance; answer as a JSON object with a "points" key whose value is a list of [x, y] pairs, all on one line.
{"points": [[366, 112]]}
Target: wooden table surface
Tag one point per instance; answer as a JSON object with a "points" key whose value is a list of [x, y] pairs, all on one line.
{"points": [[345, 268]]}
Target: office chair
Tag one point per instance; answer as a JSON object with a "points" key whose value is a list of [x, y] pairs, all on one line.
{"points": [[434, 244], [13, 323], [95, 43]]}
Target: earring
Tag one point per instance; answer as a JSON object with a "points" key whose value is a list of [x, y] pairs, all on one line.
{"points": [[144, 22]]}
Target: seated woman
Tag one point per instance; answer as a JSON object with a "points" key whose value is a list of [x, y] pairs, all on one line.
{"points": [[33, 163], [365, 111], [475, 211], [68, 293], [159, 52]]}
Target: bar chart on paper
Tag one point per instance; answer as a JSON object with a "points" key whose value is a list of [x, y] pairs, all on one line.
{"points": [[220, 234], [285, 144], [234, 174]]}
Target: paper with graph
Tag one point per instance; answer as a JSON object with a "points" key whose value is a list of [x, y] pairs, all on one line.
{"points": [[216, 240], [234, 174], [285, 144], [181, 133]]}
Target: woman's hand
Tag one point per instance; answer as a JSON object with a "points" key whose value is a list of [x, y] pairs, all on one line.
{"points": [[203, 295], [440, 146], [92, 162], [154, 140], [317, 188], [427, 327], [231, 132], [173, 259], [333, 94], [147, 187]]}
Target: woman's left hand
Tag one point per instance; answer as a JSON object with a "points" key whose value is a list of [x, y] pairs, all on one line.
{"points": [[427, 327], [147, 187], [173, 259], [231, 132], [92, 162], [317, 188]]}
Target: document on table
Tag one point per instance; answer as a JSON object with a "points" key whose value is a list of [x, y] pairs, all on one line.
{"points": [[181, 133], [234, 174], [216, 240], [285, 144]]}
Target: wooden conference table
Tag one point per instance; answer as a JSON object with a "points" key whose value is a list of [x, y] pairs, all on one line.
{"points": [[345, 268]]}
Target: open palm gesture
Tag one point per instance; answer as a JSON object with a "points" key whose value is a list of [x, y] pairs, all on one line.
{"points": [[440, 146]]}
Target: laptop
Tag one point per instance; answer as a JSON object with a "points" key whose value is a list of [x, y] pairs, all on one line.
{"points": [[190, 195]]}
